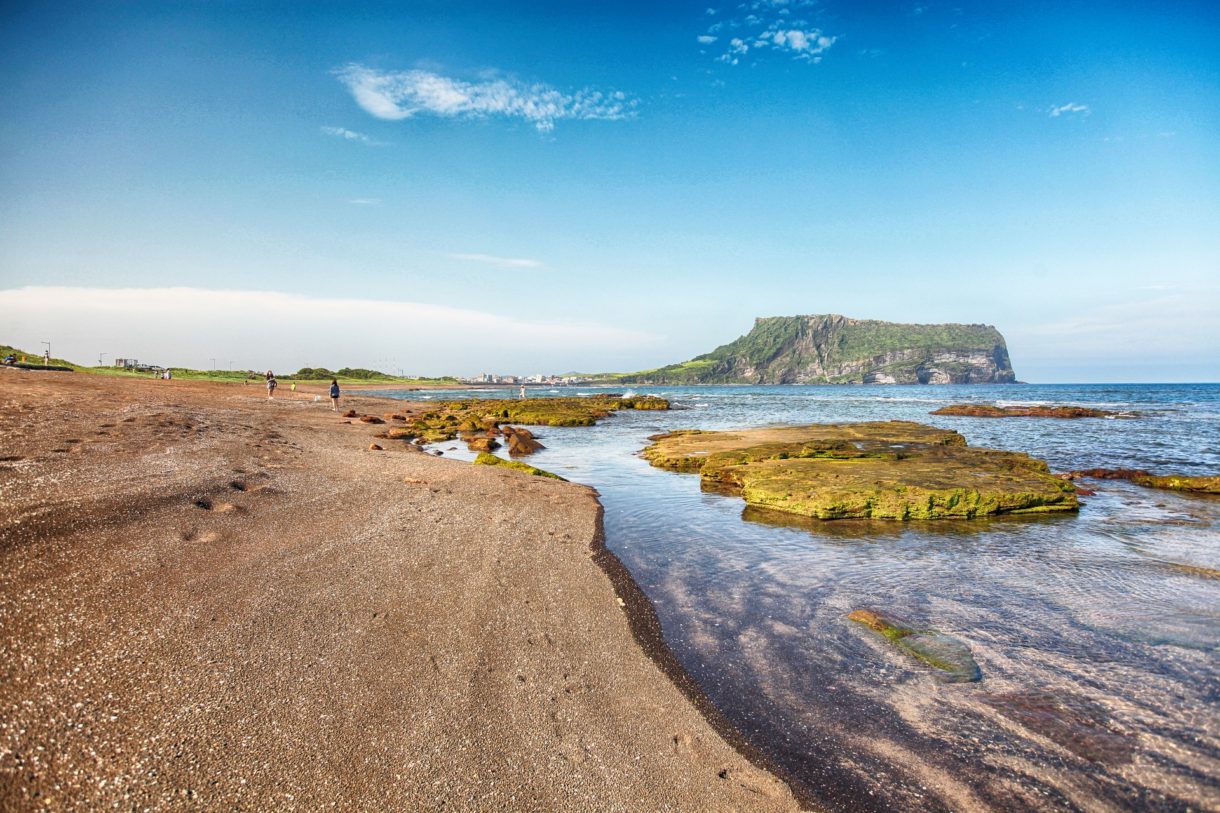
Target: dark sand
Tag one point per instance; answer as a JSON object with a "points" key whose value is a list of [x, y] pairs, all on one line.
{"points": [[209, 601]]}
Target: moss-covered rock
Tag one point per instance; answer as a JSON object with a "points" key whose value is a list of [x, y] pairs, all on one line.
{"points": [[448, 419], [487, 459], [993, 411], [881, 470], [1200, 484], [950, 656]]}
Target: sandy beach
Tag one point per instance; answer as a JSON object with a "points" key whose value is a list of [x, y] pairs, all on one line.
{"points": [[213, 601]]}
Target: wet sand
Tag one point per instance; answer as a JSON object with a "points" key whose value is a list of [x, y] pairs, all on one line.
{"points": [[212, 601]]}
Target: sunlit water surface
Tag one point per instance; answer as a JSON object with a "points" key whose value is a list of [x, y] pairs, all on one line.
{"points": [[1097, 632]]}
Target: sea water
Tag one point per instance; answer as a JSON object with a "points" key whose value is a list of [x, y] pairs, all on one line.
{"points": [[1097, 632]]}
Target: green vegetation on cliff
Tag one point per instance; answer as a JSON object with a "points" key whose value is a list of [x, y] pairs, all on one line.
{"points": [[831, 349]]}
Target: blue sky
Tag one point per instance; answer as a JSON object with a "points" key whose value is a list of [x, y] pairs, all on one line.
{"points": [[532, 187]]}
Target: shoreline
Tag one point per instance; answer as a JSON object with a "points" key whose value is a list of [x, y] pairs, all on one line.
{"points": [[634, 729]]}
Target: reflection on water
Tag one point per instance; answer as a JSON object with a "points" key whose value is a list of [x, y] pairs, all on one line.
{"points": [[1097, 633]]}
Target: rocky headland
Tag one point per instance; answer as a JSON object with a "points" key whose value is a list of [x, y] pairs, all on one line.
{"points": [[832, 349]]}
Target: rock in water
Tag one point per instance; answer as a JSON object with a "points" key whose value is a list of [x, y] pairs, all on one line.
{"points": [[950, 656], [889, 626], [992, 411], [879, 470], [1201, 484], [520, 441], [944, 653], [482, 444]]}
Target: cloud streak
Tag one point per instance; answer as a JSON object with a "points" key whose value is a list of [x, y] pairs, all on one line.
{"points": [[501, 262], [1069, 109], [399, 95], [260, 329], [351, 135]]}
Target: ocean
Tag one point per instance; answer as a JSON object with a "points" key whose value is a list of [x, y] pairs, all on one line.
{"points": [[1097, 632]]}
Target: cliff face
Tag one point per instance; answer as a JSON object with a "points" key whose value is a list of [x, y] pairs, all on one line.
{"points": [[831, 349]]}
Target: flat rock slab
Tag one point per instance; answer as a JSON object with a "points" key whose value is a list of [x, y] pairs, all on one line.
{"points": [[880, 470], [993, 411], [446, 419], [1199, 484]]}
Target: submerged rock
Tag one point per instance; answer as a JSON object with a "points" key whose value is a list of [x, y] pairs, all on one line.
{"points": [[1070, 721], [993, 411], [880, 470], [945, 653], [950, 656], [889, 626]]}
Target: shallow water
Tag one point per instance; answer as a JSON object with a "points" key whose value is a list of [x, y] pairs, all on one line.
{"points": [[1097, 633]]}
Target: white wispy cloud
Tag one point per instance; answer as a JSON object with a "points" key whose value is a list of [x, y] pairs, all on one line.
{"points": [[260, 329], [352, 135], [502, 262], [365, 201], [397, 95], [1183, 324], [770, 25], [1069, 108]]}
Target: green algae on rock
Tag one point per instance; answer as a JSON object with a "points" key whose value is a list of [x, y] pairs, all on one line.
{"points": [[895, 470], [1199, 484], [488, 459], [447, 419], [993, 411], [948, 655]]}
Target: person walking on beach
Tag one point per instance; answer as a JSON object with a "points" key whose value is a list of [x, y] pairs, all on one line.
{"points": [[271, 385], [334, 395]]}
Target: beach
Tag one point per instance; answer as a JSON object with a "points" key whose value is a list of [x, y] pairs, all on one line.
{"points": [[210, 600]]}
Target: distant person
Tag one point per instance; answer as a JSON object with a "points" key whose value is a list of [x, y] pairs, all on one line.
{"points": [[334, 395], [271, 385], [46, 357], [293, 386], [522, 392]]}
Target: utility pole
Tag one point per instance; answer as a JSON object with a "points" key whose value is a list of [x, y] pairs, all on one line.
{"points": [[213, 365]]}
